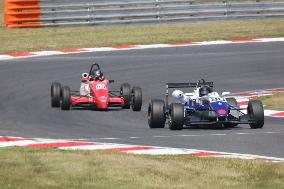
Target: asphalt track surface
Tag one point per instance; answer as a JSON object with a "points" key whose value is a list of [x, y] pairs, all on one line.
{"points": [[25, 95]]}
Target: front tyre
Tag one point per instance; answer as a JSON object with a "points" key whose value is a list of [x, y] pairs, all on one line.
{"points": [[156, 114], [136, 99], [125, 92], [256, 112], [176, 116], [66, 98], [55, 94]]}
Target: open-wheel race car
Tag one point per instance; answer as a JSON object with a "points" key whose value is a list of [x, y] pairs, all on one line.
{"points": [[202, 107], [94, 93]]}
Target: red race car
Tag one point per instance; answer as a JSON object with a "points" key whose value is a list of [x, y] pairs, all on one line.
{"points": [[94, 92]]}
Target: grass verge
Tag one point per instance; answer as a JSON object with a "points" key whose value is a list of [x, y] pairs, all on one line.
{"points": [[27, 40], [33, 169], [274, 102]]}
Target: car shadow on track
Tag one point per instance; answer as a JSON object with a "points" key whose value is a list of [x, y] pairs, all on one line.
{"points": [[214, 128], [96, 109]]}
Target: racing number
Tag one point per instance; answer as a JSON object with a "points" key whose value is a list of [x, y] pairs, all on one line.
{"points": [[100, 86], [217, 99]]}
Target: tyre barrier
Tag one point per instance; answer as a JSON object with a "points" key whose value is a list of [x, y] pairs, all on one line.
{"points": [[22, 14], [57, 13]]}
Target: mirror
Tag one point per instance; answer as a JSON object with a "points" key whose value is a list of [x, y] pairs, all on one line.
{"points": [[85, 75]]}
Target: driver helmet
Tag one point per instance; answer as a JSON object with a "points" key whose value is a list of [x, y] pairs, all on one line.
{"points": [[204, 90], [178, 94], [97, 74]]}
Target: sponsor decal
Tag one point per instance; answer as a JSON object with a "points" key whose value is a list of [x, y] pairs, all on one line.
{"points": [[103, 98], [222, 111], [100, 86]]}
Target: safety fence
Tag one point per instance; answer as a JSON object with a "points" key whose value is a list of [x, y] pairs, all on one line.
{"points": [[53, 13]]}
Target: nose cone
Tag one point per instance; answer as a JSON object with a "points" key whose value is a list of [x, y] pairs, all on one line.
{"points": [[102, 102], [220, 108], [100, 92]]}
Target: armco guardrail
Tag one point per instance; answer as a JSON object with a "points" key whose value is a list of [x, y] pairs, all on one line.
{"points": [[48, 13]]}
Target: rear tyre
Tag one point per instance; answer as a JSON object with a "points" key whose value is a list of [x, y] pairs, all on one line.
{"points": [[176, 116], [156, 114], [125, 92], [55, 94], [255, 111], [136, 99], [232, 102], [66, 98]]}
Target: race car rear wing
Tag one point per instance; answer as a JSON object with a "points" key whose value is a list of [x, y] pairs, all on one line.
{"points": [[188, 85]]}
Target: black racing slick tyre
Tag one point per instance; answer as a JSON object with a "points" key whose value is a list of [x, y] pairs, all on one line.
{"points": [[156, 114], [66, 98], [136, 99], [125, 92], [176, 116], [256, 112], [55, 94], [233, 102]]}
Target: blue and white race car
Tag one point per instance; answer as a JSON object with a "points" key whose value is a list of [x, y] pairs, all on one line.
{"points": [[203, 106]]}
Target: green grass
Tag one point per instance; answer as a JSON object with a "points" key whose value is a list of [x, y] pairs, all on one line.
{"points": [[54, 169], [274, 102], [26, 40]]}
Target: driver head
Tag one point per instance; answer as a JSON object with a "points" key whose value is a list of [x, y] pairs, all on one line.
{"points": [[97, 73], [204, 90]]}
